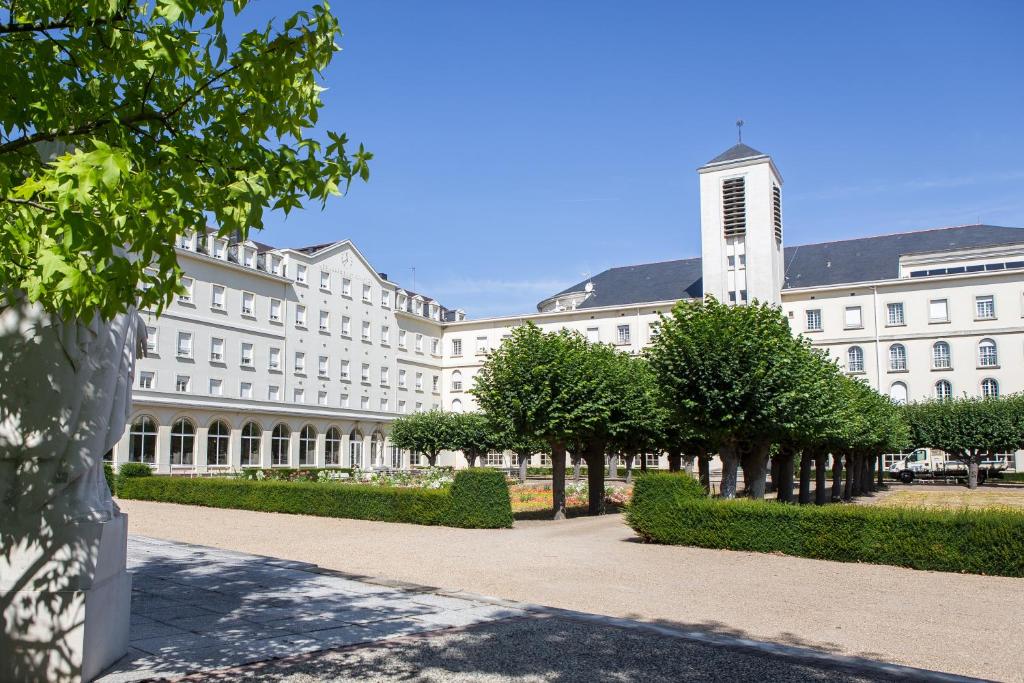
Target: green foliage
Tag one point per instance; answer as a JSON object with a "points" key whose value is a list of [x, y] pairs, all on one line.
{"points": [[129, 470], [479, 500], [108, 474], [967, 428], [126, 124], [473, 501], [290, 474], [474, 435], [978, 542], [428, 432]]}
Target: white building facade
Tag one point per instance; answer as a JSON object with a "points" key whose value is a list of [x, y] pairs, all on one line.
{"points": [[304, 357]]}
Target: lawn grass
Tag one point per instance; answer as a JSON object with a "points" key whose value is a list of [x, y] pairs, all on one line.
{"points": [[952, 498]]}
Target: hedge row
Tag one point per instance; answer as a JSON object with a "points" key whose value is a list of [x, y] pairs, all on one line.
{"points": [[475, 499], [669, 509]]}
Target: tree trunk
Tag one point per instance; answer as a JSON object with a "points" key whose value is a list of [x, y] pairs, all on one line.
{"points": [[775, 467], [837, 478], [432, 459], [820, 489], [629, 468], [805, 478], [595, 478], [643, 463], [524, 464], [558, 480], [576, 462], [675, 460], [850, 469], [865, 473], [758, 467], [972, 472], [743, 456], [784, 486], [704, 468], [881, 471], [730, 461]]}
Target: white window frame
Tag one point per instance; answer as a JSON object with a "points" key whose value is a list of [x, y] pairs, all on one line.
{"points": [[275, 317], [989, 302], [813, 319], [623, 334], [859, 312], [325, 281], [187, 284], [147, 379], [325, 321], [274, 358], [299, 366], [216, 386], [180, 349], [300, 273], [323, 366], [245, 390], [346, 371], [251, 360], [217, 294], [300, 316], [250, 310], [182, 381], [456, 347], [215, 355], [895, 314], [931, 311], [367, 293]]}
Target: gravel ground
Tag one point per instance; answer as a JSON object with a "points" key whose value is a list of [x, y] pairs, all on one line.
{"points": [[534, 650], [963, 624]]}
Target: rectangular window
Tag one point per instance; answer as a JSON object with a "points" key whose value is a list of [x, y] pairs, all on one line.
{"points": [[274, 362], [323, 367], [274, 392], [275, 310], [345, 366], [185, 296], [248, 303], [435, 345], [385, 376], [216, 387], [346, 326], [814, 320], [456, 347], [481, 345], [365, 374], [938, 310], [217, 350], [152, 347], [300, 273], [653, 329], [364, 402], [300, 361], [299, 395], [986, 307], [385, 335], [300, 315], [245, 390], [419, 381], [401, 379], [401, 406], [145, 380], [346, 287], [367, 290], [220, 249], [419, 406], [401, 339], [325, 281], [275, 265], [184, 344], [853, 318], [247, 359], [622, 334], [384, 405], [385, 298], [325, 321], [366, 330], [182, 383], [593, 335], [419, 343], [344, 401], [321, 398], [896, 316], [248, 258], [217, 297], [435, 383]]}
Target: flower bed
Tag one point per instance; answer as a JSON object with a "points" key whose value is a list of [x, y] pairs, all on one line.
{"points": [[527, 499]]}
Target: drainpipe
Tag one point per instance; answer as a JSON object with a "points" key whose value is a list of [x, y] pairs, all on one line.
{"points": [[878, 356]]}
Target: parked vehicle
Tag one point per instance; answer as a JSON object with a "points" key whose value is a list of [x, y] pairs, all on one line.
{"points": [[926, 463]]}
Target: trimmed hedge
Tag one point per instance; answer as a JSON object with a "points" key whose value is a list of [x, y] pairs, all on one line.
{"points": [[477, 503], [971, 541]]}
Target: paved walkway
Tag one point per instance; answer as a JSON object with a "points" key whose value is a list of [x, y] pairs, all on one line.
{"points": [[964, 624]]}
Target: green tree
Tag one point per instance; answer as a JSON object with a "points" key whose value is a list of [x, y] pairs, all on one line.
{"points": [[427, 432], [474, 435], [126, 124]]}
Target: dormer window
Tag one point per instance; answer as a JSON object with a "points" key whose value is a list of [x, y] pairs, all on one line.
{"points": [[248, 258], [220, 248], [734, 207]]}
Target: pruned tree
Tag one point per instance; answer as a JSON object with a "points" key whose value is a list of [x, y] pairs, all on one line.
{"points": [[474, 435], [428, 432]]}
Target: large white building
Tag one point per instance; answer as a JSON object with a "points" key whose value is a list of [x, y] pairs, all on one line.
{"points": [[303, 357]]}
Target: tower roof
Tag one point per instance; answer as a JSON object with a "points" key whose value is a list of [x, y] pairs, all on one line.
{"points": [[735, 153]]}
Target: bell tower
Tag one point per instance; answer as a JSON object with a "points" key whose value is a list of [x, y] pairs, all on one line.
{"points": [[741, 227]]}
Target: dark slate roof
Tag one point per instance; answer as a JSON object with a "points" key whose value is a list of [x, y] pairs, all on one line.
{"points": [[809, 265], [735, 153]]}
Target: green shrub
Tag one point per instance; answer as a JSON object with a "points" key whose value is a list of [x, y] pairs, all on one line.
{"points": [[971, 541], [1011, 476], [479, 500], [291, 474], [108, 474], [134, 469], [352, 501]]}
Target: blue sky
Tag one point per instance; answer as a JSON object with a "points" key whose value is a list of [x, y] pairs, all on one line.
{"points": [[521, 145]]}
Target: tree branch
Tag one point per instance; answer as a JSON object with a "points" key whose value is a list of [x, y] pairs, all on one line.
{"points": [[65, 23], [27, 202]]}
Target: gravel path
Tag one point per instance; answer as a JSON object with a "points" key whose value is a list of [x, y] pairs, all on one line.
{"points": [[947, 622]]}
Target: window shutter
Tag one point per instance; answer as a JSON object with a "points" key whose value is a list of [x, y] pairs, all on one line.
{"points": [[777, 211], [734, 207]]}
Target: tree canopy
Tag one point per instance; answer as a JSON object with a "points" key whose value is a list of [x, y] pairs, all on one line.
{"points": [[127, 124], [428, 432]]}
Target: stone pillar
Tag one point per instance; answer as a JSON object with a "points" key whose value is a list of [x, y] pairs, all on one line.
{"points": [[199, 451], [320, 459], [235, 449], [163, 449], [265, 447]]}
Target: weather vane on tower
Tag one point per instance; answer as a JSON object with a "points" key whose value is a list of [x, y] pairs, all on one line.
{"points": [[739, 129]]}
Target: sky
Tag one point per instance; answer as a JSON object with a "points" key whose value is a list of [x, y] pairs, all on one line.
{"points": [[520, 146]]}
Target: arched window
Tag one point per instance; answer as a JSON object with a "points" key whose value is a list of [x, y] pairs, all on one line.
{"points": [[897, 357], [183, 442], [355, 449], [943, 389], [941, 357], [218, 436], [855, 359], [376, 449], [457, 406], [279, 440], [307, 445], [987, 354], [332, 447], [142, 440], [251, 435], [456, 380], [898, 392], [989, 388]]}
